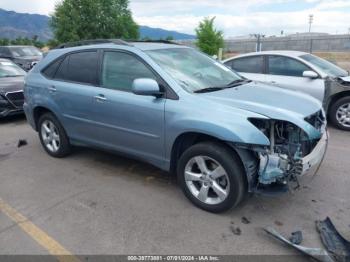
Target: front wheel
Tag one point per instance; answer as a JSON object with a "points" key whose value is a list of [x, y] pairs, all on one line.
{"points": [[212, 177], [340, 113]]}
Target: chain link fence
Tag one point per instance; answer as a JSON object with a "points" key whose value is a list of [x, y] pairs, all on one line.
{"points": [[329, 43]]}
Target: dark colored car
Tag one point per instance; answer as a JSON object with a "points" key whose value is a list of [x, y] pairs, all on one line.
{"points": [[24, 56], [11, 88]]}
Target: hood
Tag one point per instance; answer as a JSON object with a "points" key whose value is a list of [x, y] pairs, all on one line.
{"points": [[11, 84], [272, 102]]}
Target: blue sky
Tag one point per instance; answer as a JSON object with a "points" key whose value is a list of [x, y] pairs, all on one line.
{"points": [[233, 17]]}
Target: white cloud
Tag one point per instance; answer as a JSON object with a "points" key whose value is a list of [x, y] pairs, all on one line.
{"points": [[234, 17], [270, 23]]}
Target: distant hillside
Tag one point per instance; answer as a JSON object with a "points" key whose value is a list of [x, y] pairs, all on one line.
{"points": [[14, 25], [157, 33]]}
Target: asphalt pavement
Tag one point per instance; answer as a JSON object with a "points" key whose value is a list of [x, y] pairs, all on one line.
{"points": [[94, 202]]}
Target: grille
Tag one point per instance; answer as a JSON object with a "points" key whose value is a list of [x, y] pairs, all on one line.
{"points": [[16, 98]]}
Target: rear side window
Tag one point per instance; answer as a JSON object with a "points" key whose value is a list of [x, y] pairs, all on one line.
{"points": [[285, 66], [79, 67], [253, 64], [51, 70]]}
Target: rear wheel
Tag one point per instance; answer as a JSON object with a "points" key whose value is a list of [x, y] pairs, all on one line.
{"points": [[212, 177], [340, 113], [53, 136]]}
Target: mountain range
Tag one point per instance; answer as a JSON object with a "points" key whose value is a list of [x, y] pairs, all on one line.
{"points": [[14, 25]]}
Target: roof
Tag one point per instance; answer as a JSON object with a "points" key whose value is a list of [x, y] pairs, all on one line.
{"points": [[110, 43], [145, 46], [276, 52]]}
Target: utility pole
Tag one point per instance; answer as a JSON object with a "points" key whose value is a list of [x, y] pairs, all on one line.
{"points": [[258, 42], [311, 19]]}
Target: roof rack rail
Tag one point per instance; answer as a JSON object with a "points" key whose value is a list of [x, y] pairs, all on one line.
{"points": [[155, 41], [92, 42]]}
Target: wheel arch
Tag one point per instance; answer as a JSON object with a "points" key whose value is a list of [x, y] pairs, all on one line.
{"points": [[336, 97], [38, 111], [185, 140]]}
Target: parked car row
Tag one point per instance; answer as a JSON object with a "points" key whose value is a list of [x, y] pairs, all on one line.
{"points": [[24, 56], [302, 72], [180, 110], [14, 62], [11, 88]]}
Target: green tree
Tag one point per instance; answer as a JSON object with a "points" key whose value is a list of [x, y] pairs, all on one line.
{"points": [[75, 20], [169, 38], [209, 39]]}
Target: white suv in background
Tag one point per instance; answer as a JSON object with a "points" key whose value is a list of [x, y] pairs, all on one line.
{"points": [[303, 72]]}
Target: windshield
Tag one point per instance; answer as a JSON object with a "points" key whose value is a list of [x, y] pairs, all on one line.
{"points": [[9, 69], [325, 66], [193, 70], [25, 51]]}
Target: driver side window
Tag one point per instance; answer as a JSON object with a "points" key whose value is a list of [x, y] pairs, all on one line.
{"points": [[119, 70], [284, 66]]}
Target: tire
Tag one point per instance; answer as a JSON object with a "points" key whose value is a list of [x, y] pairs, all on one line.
{"points": [[53, 136], [195, 186], [341, 108]]}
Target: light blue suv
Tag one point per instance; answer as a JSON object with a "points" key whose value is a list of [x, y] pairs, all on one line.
{"points": [[180, 110]]}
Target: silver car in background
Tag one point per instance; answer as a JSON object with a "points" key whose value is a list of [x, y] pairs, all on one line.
{"points": [[302, 72]]}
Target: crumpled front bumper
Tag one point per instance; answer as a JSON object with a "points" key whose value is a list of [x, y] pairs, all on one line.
{"points": [[312, 161]]}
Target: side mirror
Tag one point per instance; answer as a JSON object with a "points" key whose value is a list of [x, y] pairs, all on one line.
{"points": [[310, 74], [146, 87]]}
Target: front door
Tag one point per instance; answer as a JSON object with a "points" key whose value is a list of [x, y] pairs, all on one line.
{"points": [[287, 73], [127, 122]]}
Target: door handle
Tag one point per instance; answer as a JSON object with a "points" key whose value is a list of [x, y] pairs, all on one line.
{"points": [[100, 98], [52, 89], [273, 82]]}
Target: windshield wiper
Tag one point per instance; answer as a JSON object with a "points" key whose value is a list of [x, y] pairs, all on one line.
{"points": [[209, 89], [238, 82], [232, 84]]}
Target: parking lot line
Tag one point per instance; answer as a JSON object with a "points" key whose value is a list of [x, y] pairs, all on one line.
{"points": [[42, 238]]}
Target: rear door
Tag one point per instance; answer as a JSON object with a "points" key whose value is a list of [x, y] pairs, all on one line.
{"points": [[287, 73], [72, 88], [251, 67]]}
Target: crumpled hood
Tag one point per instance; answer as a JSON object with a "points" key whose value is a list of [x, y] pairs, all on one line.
{"points": [[271, 102], [11, 84]]}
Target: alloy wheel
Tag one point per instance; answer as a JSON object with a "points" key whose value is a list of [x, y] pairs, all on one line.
{"points": [[343, 115], [50, 136], [207, 180]]}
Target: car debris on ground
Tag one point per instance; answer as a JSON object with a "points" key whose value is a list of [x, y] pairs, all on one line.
{"points": [[335, 244], [245, 220], [337, 247], [22, 142], [316, 253], [296, 238]]}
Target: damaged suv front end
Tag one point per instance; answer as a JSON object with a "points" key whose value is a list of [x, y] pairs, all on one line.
{"points": [[293, 153]]}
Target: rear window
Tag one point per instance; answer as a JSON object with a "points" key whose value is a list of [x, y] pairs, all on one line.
{"points": [[252, 64], [79, 68]]}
